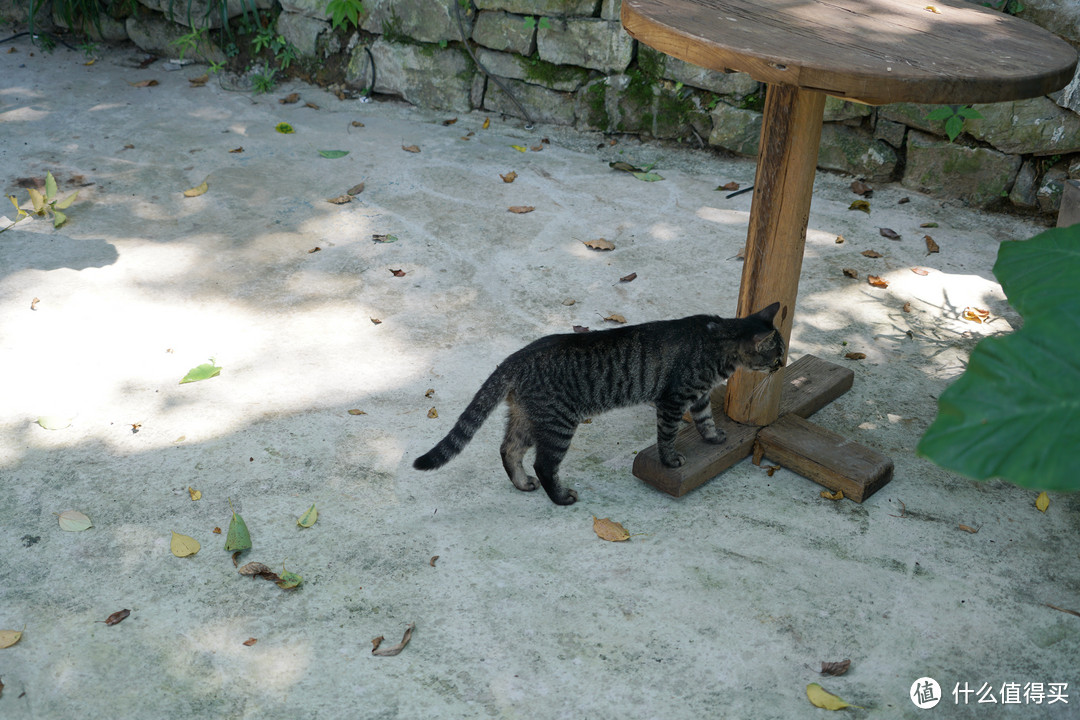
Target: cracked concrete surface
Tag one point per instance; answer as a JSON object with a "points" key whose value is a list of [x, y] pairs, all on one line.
{"points": [[722, 604]]}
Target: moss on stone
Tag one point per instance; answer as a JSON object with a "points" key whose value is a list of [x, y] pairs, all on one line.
{"points": [[541, 72]]}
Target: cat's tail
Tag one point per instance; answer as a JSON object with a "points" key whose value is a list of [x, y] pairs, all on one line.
{"points": [[490, 394]]}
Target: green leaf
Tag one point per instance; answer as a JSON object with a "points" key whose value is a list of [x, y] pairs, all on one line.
{"points": [[940, 113], [648, 176], [238, 537], [289, 580], [66, 202], [333, 154], [50, 186], [284, 128], [970, 113], [309, 517], [1039, 275], [545, 24], [74, 521], [59, 218], [201, 372], [953, 126]]}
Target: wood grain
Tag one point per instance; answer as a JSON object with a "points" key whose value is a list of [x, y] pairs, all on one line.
{"points": [[873, 51]]}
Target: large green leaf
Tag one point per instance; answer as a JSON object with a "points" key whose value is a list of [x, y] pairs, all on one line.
{"points": [[1015, 412]]}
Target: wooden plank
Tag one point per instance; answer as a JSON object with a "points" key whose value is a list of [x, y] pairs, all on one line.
{"points": [[790, 134], [876, 51], [824, 457], [811, 383]]}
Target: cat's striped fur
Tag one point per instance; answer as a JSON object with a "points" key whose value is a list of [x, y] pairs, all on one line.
{"points": [[553, 384]]}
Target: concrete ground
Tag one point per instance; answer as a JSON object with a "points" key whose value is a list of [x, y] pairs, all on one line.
{"points": [[722, 604]]}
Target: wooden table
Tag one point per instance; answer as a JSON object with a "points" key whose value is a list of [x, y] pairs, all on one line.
{"points": [[869, 51]]}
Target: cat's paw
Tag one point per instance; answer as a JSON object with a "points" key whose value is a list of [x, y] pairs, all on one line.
{"points": [[673, 461], [716, 438], [528, 484], [569, 497]]}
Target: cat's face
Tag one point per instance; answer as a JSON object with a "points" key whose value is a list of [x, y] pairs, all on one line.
{"points": [[764, 351]]}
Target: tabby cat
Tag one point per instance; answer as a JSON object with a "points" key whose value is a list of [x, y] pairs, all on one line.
{"points": [[553, 384]]}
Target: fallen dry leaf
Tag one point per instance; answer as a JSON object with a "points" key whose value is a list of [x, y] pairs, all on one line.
{"points": [[10, 637], [195, 494], [355, 189], [536, 148], [855, 356], [835, 668], [729, 186], [872, 254], [250, 641], [1042, 502], [860, 188], [838, 495], [290, 99], [889, 233], [770, 470], [931, 246], [237, 149], [357, 411], [398, 273], [431, 562], [598, 244], [863, 205], [393, 649], [877, 281], [34, 302], [433, 413], [508, 177], [376, 321], [931, 8], [314, 249], [967, 528], [907, 307], [628, 278], [580, 329], [411, 148], [197, 190], [429, 392], [258, 569], [903, 201], [117, 617], [144, 83], [199, 81], [977, 315], [311, 105], [920, 271], [839, 240], [607, 529], [521, 209], [616, 318], [216, 531], [822, 698], [850, 272], [357, 123], [449, 122], [487, 124], [340, 199]]}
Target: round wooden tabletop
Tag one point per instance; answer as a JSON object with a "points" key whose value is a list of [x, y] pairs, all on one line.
{"points": [[874, 51]]}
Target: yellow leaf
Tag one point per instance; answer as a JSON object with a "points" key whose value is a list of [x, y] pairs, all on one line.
{"points": [[599, 244], [1043, 501], [182, 545], [37, 199], [607, 529], [89, 62], [197, 190], [487, 123], [520, 148], [826, 700], [309, 517], [616, 318], [433, 413], [195, 494], [9, 637], [838, 495]]}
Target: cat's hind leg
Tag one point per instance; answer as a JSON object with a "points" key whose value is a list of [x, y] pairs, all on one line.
{"points": [[669, 412], [551, 446], [701, 412], [516, 442]]}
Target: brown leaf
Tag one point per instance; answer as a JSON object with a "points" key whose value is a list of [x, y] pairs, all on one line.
{"points": [[903, 201], [393, 649], [355, 189], [411, 148], [199, 81], [314, 249], [237, 149], [433, 413], [290, 99], [770, 469], [835, 668], [931, 246], [144, 83], [257, 569], [508, 177], [357, 123], [607, 529], [536, 148], [599, 244], [449, 122], [838, 495], [580, 329], [889, 233], [907, 307], [311, 105], [977, 315], [429, 392], [356, 411], [216, 531], [521, 209], [376, 642], [920, 271], [34, 302], [340, 199], [376, 321], [117, 617], [855, 356], [250, 641], [729, 186], [872, 253], [850, 272], [147, 62], [628, 278], [967, 528], [431, 562], [616, 318], [398, 273], [860, 188], [839, 240], [877, 282]]}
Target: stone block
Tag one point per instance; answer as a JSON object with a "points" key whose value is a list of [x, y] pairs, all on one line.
{"points": [[1036, 126], [913, 115], [736, 129], [424, 75], [203, 13], [1061, 17], [891, 132], [563, 78], [856, 152], [596, 44], [657, 63], [556, 8], [504, 32], [837, 109], [976, 175], [610, 9], [1050, 189], [315, 9], [153, 34], [543, 105], [302, 31], [1023, 193], [1069, 96], [428, 21]]}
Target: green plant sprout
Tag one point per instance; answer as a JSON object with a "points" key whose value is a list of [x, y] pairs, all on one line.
{"points": [[543, 23], [264, 81], [189, 42], [954, 117], [49, 204], [19, 214], [342, 12]]}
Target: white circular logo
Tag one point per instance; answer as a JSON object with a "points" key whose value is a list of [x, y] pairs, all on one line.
{"points": [[925, 693]]}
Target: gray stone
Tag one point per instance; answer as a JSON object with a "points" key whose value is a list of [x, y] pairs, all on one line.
{"points": [[837, 109], [1027, 127], [736, 129], [978, 176], [856, 152], [558, 8], [630, 103], [424, 75], [1074, 167], [504, 32], [1069, 96], [611, 9], [1050, 190], [891, 132], [596, 44], [657, 63], [543, 105], [429, 21], [1024, 187], [302, 31], [913, 115], [315, 9], [1061, 17], [106, 29], [594, 104], [154, 34], [203, 13], [537, 72]]}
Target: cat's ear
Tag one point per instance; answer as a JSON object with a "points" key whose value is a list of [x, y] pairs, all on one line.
{"points": [[761, 339], [767, 314]]}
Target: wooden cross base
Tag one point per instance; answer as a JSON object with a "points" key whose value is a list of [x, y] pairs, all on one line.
{"points": [[810, 384]]}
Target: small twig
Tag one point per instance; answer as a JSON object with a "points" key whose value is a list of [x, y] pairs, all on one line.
{"points": [[903, 510], [1064, 610]]}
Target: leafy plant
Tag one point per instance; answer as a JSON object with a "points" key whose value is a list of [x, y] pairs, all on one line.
{"points": [[49, 203], [1015, 411], [543, 23], [264, 81], [189, 42], [283, 50], [342, 12], [954, 117], [19, 214], [262, 40]]}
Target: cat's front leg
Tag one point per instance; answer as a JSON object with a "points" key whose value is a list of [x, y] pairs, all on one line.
{"points": [[668, 415], [701, 412]]}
